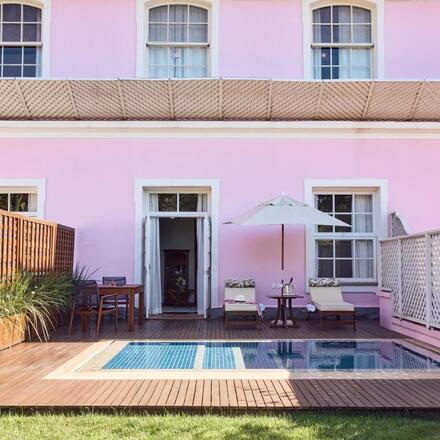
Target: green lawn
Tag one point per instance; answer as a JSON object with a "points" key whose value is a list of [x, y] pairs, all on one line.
{"points": [[301, 426]]}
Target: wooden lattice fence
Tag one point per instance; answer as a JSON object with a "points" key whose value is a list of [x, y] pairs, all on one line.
{"points": [[32, 245], [410, 269]]}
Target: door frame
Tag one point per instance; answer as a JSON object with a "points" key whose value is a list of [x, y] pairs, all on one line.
{"points": [[141, 200]]}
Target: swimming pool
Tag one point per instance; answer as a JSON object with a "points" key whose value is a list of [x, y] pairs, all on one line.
{"points": [[296, 355]]}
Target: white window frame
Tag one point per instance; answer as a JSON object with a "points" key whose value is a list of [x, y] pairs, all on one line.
{"points": [[377, 33], [46, 12], [33, 186], [379, 189], [142, 11]]}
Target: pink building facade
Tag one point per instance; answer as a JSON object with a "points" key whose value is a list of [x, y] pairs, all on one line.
{"points": [[108, 179]]}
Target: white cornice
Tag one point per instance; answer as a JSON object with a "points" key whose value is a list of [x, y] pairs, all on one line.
{"points": [[218, 130]]}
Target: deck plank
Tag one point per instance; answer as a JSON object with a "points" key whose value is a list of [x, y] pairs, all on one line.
{"points": [[23, 368]]}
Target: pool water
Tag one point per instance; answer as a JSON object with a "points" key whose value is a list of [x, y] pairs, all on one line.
{"points": [[323, 355]]}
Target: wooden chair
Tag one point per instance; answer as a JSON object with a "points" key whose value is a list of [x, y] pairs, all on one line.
{"points": [[122, 299], [87, 303], [329, 302]]}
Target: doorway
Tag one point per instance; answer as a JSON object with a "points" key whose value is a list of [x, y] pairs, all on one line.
{"points": [[177, 252], [179, 265]]}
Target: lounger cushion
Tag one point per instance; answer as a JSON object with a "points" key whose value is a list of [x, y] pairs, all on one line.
{"points": [[334, 307], [246, 293], [237, 307]]}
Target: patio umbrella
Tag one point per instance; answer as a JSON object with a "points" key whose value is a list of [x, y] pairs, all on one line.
{"points": [[283, 210]]}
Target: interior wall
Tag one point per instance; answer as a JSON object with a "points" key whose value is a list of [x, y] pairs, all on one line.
{"points": [[179, 234]]}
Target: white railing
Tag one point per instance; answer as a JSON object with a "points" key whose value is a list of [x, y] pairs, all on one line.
{"points": [[410, 269]]}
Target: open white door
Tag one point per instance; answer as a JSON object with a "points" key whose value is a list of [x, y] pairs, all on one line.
{"points": [[147, 263], [206, 264]]}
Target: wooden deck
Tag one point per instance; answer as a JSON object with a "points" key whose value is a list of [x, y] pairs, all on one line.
{"points": [[22, 370]]}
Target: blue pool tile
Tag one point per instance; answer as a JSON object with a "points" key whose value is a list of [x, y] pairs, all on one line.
{"points": [[218, 356], [163, 356]]}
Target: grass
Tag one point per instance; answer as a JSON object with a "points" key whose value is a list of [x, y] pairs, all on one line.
{"points": [[301, 426]]}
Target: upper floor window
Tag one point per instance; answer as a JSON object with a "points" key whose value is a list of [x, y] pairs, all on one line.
{"points": [[342, 43], [20, 40], [178, 41]]}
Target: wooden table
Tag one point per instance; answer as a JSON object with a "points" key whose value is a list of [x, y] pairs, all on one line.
{"points": [[131, 290], [284, 308]]}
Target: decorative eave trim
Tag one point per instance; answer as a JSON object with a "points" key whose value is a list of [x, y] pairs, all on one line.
{"points": [[217, 130]]}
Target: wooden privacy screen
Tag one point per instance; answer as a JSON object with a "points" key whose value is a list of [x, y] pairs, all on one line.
{"points": [[34, 246]]}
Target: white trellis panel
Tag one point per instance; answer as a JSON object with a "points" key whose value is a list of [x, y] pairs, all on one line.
{"points": [[410, 269]]}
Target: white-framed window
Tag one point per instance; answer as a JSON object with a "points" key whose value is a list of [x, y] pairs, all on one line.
{"points": [[342, 42], [20, 201], [20, 40], [178, 41], [346, 253]]}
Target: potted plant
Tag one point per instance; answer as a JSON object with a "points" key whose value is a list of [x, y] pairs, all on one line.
{"points": [[30, 306]]}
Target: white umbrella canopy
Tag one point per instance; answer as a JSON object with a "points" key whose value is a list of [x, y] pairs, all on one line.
{"points": [[283, 210]]}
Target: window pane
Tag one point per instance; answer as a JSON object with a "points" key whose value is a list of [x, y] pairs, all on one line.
{"points": [[198, 33], [364, 268], [362, 34], [343, 248], [342, 34], [11, 32], [19, 202], [12, 12], [30, 55], [361, 15], [324, 203], [11, 71], [363, 222], [346, 218], [178, 13], [31, 32], [363, 203], [157, 32], [324, 268], [198, 15], [168, 202], [12, 55], [341, 14], [344, 269], [158, 72], [361, 57], [188, 202], [4, 202], [158, 56], [196, 72], [364, 248], [159, 15], [176, 72], [177, 56], [322, 15], [322, 34], [361, 73], [29, 71], [31, 14], [178, 33], [324, 248], [343, 203], [196, 56], [325, 73]]}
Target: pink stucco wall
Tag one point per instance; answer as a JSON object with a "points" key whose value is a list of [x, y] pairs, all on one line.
{"points": [[261, 38], [93, 39], [257, 38], [411, 39], [90, 186]]}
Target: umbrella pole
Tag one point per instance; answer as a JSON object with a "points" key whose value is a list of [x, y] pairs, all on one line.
{"points": [[282, 253]]}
